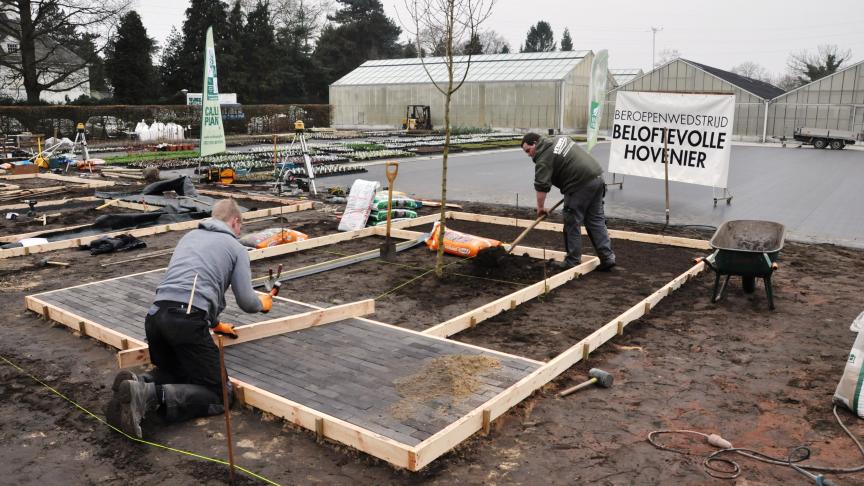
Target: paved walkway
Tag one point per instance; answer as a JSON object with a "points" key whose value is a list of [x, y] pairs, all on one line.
{"points": [[817, 194]]}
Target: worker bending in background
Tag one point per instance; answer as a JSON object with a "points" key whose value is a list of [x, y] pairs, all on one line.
{"points": [[560, 162], [186, 382]]}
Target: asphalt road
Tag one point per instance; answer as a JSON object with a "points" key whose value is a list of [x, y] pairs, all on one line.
{"points": [[817, 194]]}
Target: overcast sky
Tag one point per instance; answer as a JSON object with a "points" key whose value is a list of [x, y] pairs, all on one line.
{"points": [[718, 33]]}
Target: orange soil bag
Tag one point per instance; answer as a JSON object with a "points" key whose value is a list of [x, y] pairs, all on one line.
{"points": [[272, 237], [458, 243]]}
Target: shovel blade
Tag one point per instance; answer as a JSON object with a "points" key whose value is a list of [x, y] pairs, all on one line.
{"points": [[388, 250]]}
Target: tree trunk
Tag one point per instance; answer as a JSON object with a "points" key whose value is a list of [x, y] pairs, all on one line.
{"points": [[27, 48], [439, 258]]}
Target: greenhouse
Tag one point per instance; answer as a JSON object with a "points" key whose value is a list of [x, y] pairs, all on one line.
{"points": [[536, 91]]}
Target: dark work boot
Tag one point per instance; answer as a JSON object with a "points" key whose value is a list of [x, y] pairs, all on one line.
{"points": [[112, 411], [606, 266], [122, 376], [136, 399]]}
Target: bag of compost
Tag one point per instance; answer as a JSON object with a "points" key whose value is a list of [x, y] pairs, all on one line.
{"points": [[850, 390], [377, 217], [458, 243], [272, 237]]}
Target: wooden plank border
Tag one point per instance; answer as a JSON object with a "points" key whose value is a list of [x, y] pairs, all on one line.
{"points": [[447, 438], [615, 234], [280, 325], [153, 230], [511, 301], [56, 202], [55, 177], [80, 324]]}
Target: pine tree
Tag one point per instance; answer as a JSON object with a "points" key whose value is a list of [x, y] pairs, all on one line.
{"points": [[200, 15], [473, 46], [540, 38], [259, 47], [297, 71], [505, 49], [566, 41], [234, 78], [170, 65], [359, 31], [129, 61]]}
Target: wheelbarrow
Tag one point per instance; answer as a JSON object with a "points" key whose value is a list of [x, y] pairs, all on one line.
{"points": [[745, 248]]}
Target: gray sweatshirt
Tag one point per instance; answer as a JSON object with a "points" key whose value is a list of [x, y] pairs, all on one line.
{"points": [[213, 252]]}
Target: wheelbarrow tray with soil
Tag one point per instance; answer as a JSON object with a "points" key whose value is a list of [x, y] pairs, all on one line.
{"points": [[745, 248]]}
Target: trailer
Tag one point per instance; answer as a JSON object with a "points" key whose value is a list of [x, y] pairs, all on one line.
{"points": [[821, 137]]}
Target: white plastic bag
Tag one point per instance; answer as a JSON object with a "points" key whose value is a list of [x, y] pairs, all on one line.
{"points": [[850, 390]]}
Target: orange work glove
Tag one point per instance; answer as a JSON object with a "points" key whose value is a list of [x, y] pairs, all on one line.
{"points": [[266, 302], [225, 330]]}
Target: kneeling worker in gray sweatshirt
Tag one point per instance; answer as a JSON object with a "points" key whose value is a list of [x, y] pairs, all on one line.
{"points": [[186, 382]]}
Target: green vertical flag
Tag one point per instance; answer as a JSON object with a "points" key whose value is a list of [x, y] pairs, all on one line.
{"points": [[212, 131], [597, 92]]}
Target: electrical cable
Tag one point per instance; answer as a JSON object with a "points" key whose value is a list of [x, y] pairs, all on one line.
{"points": [[735, 470], [135, 439]]}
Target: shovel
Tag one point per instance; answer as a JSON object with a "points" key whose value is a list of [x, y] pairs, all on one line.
{"points": [[388, 249], [492, 257]]}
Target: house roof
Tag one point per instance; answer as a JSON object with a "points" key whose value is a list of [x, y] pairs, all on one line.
{"points": [[766, 91], [46, 47], [534, 66]]}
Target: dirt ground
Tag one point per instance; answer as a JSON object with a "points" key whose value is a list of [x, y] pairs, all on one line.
{"points": [[761, 379]]}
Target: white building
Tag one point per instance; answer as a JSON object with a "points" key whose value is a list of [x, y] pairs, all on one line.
{"points": [[53, 60]]}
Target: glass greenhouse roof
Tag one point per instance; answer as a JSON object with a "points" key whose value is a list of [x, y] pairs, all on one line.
{"points": [[533, 66], [622, 76]]}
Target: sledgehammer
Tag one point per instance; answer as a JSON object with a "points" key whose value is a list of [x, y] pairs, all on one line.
{"points": [[598, 376]]}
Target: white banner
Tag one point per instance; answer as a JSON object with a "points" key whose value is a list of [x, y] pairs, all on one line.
{"points": [[699, 128]]}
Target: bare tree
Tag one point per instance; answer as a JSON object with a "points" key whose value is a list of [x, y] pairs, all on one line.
{"points": [[810, 66], [454, 23], [43, 62], [752, 70], [786, 82], [493, 42]]}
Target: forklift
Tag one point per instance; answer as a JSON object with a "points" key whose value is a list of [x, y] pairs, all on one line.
{"points": [[417, 117]]}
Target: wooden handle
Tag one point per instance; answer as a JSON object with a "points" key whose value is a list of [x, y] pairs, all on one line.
{"points": [[391, 169], [529, 228]]}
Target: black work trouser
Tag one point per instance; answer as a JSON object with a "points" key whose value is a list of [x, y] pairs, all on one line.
{"points": [[585, 206], [186, 360]]}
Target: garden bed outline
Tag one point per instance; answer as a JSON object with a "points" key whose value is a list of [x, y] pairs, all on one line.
{"points": [[152, 230], [415, 458]]}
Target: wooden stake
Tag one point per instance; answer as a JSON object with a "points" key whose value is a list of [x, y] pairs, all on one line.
{"points": [[620, 328], [192, 295], [586, 350], [487, 421], [224, 373], [319, 429]]}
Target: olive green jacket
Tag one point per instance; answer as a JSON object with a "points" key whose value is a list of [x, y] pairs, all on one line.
{"points": [[559, 162]]}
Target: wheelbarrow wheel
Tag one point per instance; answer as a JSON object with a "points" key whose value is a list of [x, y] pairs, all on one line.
{"points": [[748, 284]]}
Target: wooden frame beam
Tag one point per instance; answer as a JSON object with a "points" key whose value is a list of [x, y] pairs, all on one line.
{"points": [[615, 234], [56, 202], [250, 332], [509, 302], [55, 177], [153, 230], [416, 457], [450, 436]]}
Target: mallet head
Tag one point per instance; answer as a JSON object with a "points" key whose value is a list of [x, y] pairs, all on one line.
{"points": [[604, 378]]}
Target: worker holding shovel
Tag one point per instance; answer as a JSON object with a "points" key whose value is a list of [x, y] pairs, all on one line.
{"points": [[559, 162], [187, 381]]}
